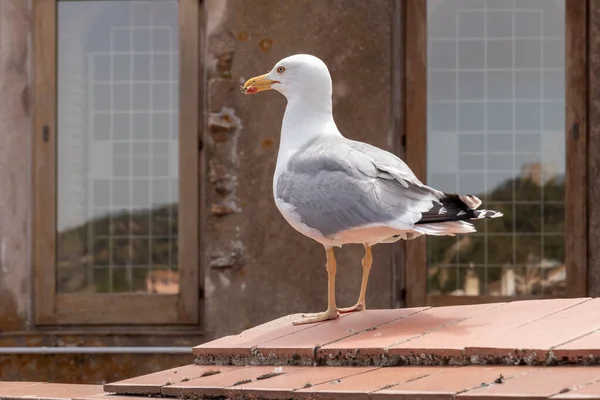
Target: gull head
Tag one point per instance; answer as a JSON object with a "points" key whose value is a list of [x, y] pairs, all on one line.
{"points": [[300, 75]]}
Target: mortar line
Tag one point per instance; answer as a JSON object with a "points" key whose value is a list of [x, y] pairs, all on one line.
{"points": [[576, 338]]}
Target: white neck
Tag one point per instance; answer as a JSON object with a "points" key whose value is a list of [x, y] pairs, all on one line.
{"points": [[304, 121]]}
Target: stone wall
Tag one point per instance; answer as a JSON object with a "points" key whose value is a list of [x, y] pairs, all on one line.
{"points": [[258, 267]]}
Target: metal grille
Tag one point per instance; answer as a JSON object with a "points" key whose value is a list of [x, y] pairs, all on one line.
{"points": [[131, 181], [496, 129]]}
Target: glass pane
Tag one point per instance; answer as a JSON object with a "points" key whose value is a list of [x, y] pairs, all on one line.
{"points": [[496, 111], [117, 146]]}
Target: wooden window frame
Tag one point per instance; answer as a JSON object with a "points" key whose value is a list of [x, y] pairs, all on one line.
{"points": [[576, 132], [52, 308]]}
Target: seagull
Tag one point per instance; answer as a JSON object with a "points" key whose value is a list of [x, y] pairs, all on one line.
{"points": [[338, 191]]}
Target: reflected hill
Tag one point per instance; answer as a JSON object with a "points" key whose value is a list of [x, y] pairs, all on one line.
{"points": [[520, 253], [519, 258], [145, 239]]}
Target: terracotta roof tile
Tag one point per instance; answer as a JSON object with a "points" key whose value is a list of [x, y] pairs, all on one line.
{"points": [[451, 381], [589, 392], [535, 339], [217, 385], [540, 384], [585, 348], [50, 391], [359, 386], [376, 342], [14, 385], [410, 382], [304, 343], [283, 385], [242, 344], [452, 340], [152, 383], [497, 333]]}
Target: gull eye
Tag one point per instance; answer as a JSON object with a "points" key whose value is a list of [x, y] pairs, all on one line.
{"points": [[280, 70]]}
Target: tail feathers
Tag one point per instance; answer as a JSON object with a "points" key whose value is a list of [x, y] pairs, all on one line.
{"points": [[472, 202], [449, 217], [453, 207], [481, 214], [450, 228]]}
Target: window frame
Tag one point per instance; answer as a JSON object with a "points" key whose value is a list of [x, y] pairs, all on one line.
{"points": [[52, 308], [576, 132]]}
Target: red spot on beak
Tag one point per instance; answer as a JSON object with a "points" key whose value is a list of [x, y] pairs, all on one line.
{"points": [[250, 90]]}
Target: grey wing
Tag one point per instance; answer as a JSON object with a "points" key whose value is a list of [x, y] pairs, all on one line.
{"points": [[334, 186], [387, 162]]}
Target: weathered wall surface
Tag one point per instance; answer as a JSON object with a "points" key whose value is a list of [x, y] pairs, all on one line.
{"points": [[90, 368], [258, 267], [15, 295], [84, 368]]}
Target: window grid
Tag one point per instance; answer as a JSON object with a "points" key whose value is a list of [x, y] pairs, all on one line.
{"points": [[515, 131], [130, 111], [496, 69]]}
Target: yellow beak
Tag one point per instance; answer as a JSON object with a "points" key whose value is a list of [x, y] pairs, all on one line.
{"points": [[257, 84]]}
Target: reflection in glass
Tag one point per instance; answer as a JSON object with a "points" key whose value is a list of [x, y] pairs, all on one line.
{"points": [[118, 86], [496, 129]]}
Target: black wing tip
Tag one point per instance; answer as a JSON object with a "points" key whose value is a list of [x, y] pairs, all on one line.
{"points": [[481, 214], [466, 202]]}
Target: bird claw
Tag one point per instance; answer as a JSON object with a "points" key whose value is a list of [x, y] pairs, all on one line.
{"points": [[356, 307], [311, 315], [317, 317]]}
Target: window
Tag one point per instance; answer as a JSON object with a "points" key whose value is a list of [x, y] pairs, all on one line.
{"points": [[498, 97], [115, 138]]}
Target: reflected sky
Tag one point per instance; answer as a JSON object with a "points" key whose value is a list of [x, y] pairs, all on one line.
{"points": [[496, 121], [117, 107], [495, 91]]}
